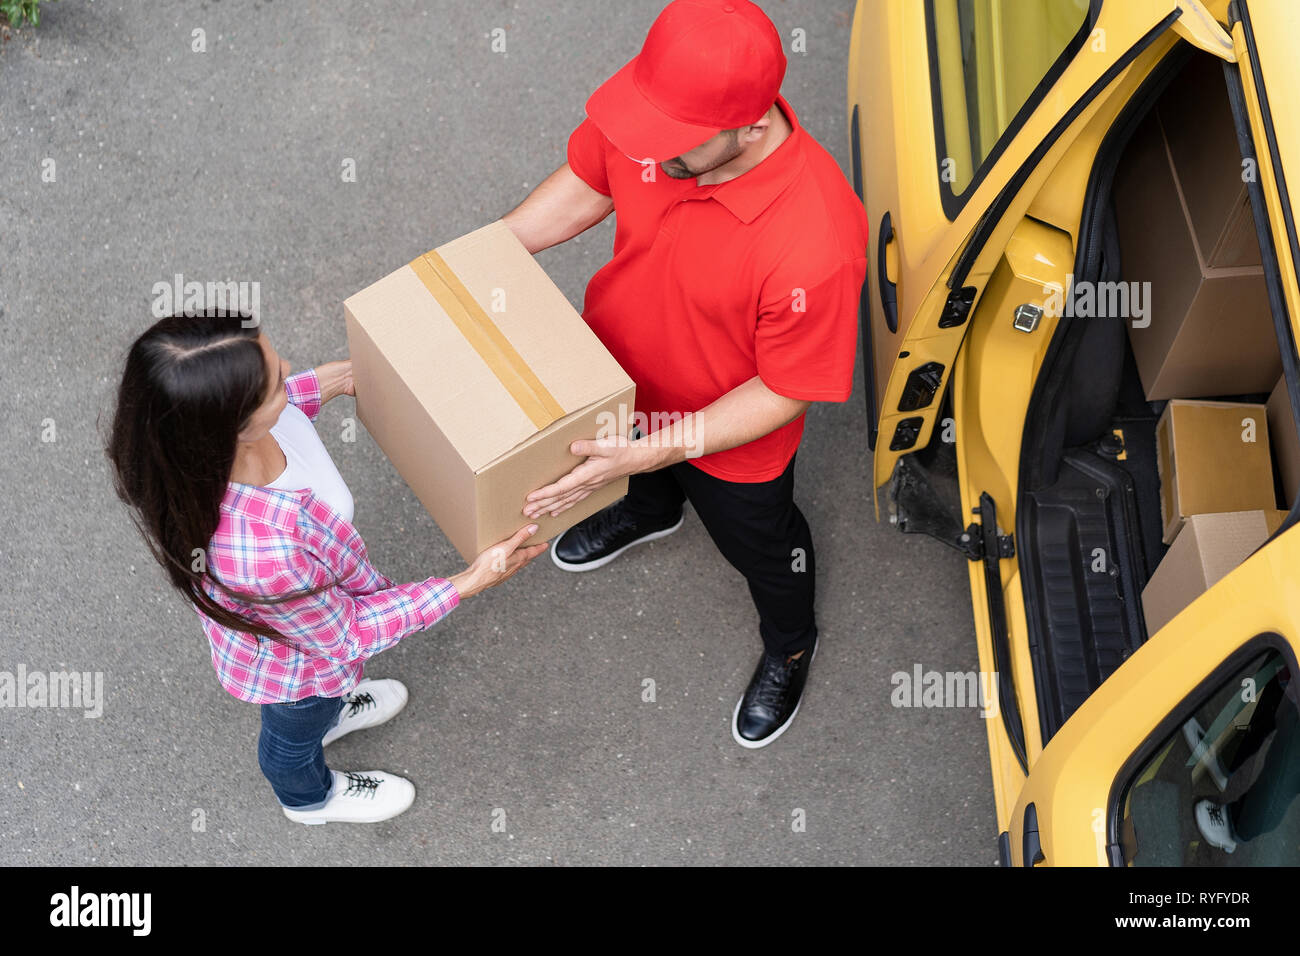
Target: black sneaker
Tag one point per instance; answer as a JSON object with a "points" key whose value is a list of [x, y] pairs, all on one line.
{"points": [[599, 539], [772, 698]]}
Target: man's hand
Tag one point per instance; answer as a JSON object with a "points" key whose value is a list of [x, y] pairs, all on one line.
{"points": [[335, 379], [749, 411], [608, 459]]}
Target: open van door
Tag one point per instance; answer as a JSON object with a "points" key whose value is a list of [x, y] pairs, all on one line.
{"points": [[1189, 754], [954, 105]]}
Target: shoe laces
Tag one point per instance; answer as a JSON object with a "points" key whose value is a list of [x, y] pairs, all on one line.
{"points": [[609, 522], [775, 680], [1216, 814], [359, 785], [359, 702]]}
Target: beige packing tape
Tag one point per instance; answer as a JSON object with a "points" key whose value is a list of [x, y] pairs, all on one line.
{"points": [[487, 340]]}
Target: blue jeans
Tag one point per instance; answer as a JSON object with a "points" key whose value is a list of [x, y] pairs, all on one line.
{"points": [[290, 753]]}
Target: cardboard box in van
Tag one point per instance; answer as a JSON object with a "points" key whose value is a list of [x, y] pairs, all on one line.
{"points": [[1208, 330], [1212, 457], [474, 373], [1197, 122], [1209, 546]]}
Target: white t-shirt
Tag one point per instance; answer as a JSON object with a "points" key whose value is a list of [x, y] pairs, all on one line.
{"points": [[307, 462]]}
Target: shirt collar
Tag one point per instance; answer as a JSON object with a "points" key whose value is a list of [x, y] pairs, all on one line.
{"points": [[275, 506], [753, 191]]}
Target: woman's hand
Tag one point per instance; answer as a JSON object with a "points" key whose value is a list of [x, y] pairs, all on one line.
{"points": [[497, 563], [335, 379]]}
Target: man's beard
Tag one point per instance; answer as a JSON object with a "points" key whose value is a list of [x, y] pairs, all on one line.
{"points": [[676, 169]]}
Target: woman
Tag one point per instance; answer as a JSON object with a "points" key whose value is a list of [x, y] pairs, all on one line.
{"points": [[213, 448]]}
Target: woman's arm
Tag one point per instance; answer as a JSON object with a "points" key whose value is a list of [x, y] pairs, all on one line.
{"points": [[313, 387], [303, 389], [335, 379], [345, 626], [334, 623]]}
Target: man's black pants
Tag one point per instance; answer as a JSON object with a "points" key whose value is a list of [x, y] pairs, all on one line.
{"points": [[758, 528]]}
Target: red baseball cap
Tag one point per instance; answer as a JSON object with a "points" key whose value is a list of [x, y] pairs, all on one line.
{"points": [[706, 66]]}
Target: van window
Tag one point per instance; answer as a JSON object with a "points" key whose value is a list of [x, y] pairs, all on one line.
{"points": [[988, 60], [1221, 790]]}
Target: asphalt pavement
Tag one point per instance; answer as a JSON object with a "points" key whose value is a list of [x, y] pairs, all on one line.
{"points": [[526, 703]]}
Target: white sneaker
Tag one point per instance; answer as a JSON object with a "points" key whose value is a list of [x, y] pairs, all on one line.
{"points": [[1212, 820], [366, 797], [369, 704]]}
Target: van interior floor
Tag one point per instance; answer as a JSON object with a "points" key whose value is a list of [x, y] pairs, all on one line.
{"points": [[1096, 534]]}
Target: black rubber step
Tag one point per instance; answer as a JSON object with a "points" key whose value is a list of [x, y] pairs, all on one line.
{"points": [[1085, 567]]}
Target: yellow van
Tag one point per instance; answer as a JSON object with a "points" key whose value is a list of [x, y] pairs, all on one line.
{"points": [[1050, 311]]}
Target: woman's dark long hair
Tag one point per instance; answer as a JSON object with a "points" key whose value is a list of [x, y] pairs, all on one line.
{"points": [[190, 384]]}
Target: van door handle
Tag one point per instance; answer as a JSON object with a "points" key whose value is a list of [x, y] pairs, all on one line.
{"points": [[888, 290]]}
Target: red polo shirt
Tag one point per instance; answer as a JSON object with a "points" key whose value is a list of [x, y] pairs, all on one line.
{"points": [[712, 285]]}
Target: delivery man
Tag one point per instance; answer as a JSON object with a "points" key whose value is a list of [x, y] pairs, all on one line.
{"points": [[731, 300]]}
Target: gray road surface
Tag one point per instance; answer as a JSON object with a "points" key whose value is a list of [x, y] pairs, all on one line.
{"points": [[226, 164]]}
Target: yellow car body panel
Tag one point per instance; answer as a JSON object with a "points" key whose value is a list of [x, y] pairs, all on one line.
{"points": [[889, 79], [993, 368]]}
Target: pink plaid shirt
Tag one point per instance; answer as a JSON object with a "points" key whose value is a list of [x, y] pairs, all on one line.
{"points": [[270, 542]]}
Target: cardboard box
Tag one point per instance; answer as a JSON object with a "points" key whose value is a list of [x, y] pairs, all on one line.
{"points": [[1286, 443], [1206, 465], [473, 373], [1209, 546], [1209, 330], [1197, 122]]}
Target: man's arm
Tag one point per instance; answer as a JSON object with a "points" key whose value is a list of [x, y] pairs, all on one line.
{"points": [[746, 413], [749, 411], [559, 208]]}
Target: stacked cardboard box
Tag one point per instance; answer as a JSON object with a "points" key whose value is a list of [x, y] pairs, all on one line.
{"points": [[1185, 226], [1217, 498], [1212, 457], [1207, 548]]}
